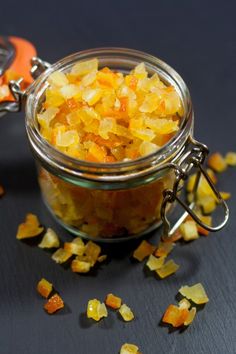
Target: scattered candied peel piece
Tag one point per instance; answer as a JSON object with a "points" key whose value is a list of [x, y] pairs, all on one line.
{"points": [[44, 288], [155, 263], [129, 349], [113, 301], [61, 255], [102, 258], [126, 313], [191, 316], [170, 267], [195, 293], [225, 195], [164, 249], [74, 248], [144, 250], [189, 230], [92, 250], [54, 304], [30, 228], [96, 310], [78, 266], [173, 238], [175, 315], [184, 304], [217, 162], [230, 158], [50, 239]]}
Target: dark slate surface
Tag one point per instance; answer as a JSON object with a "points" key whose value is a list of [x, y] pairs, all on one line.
{"points": [[198, 39]]}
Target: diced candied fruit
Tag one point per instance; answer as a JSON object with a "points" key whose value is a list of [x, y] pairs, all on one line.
{"points": [[96, 310], [170, 267], [54, 304], [189, 230], [217, 162], [102, 258], [225, 195], [155, 263], [207, 203], [191, 316], [175, 315], [61, 255], [230, 158], [30, 228], [164, 248], [129, 349], [78, 266], [58, 78], [144, 250], [113, 301], [92, 250], [84, 67], [126, 313], [44, 288], [196, 293], [206, 219], [74, 248], [177, 235], [50, 239]]}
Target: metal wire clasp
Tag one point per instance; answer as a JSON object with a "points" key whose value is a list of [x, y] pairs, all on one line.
{"points": [[193, 158], [38, 67]]}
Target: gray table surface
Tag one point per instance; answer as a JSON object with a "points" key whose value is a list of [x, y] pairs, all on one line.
{"points": [[199, 40]]}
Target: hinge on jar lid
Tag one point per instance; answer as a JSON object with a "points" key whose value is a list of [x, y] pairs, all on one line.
{"points": [[38, 67], [192, 158]]}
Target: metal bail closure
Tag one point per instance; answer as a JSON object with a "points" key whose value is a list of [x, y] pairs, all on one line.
{"points": [[193, 158]]}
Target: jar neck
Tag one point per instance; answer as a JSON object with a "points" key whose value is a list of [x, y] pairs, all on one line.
{"points": [[115, 175]]}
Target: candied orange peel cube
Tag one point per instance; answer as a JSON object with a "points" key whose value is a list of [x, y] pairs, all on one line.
{"points": [[129, 349], [61, 255], [30, 228], [155, 263], [191, 316], [113, 301], [217, 162], [50, 239], [195, 293], [44, 288], [96, 310], [126, 313], [54, 304], [230, 158], [78, 266], [144, 250], [169, 268], [163, 249], [175, 315], [189, 230]]}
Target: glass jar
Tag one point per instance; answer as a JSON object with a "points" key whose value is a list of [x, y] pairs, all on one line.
{"points": [[122, 200]]}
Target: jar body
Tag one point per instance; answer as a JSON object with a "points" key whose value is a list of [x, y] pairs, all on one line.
{"points": [[102, 213]]}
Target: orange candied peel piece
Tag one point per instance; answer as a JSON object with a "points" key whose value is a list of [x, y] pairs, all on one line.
{"points": [[61, 255], [79, 266], [126, 313], [230, 158], [129, 349], [44, 288], [30, 228], [189, 230], [54, 304], [217, 162], [175, 315], [169, 268], [113, 301], [195, 293], [96, 310], [144, 250], [163, 249], [177, 235], [191, 316], [92, 250]]}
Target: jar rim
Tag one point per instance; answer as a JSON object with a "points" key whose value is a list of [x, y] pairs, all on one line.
{"points": [[67, 165]]}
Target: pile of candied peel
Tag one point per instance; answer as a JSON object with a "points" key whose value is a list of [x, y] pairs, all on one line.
{"points": [[106, 116]]}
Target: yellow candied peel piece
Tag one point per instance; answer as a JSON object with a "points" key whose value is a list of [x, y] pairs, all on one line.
{"points": [[195, 293], [44, 288], [184, 304], [191, 316], [129, 349], [155, 263], [126, 313], [144, 250], [49, 240], [96, 310], [217, 162], [61, 255], [78, 266], [169, 268], [189, 230], [74, 248], [92, 250], [230, 158], [30, 228]]}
